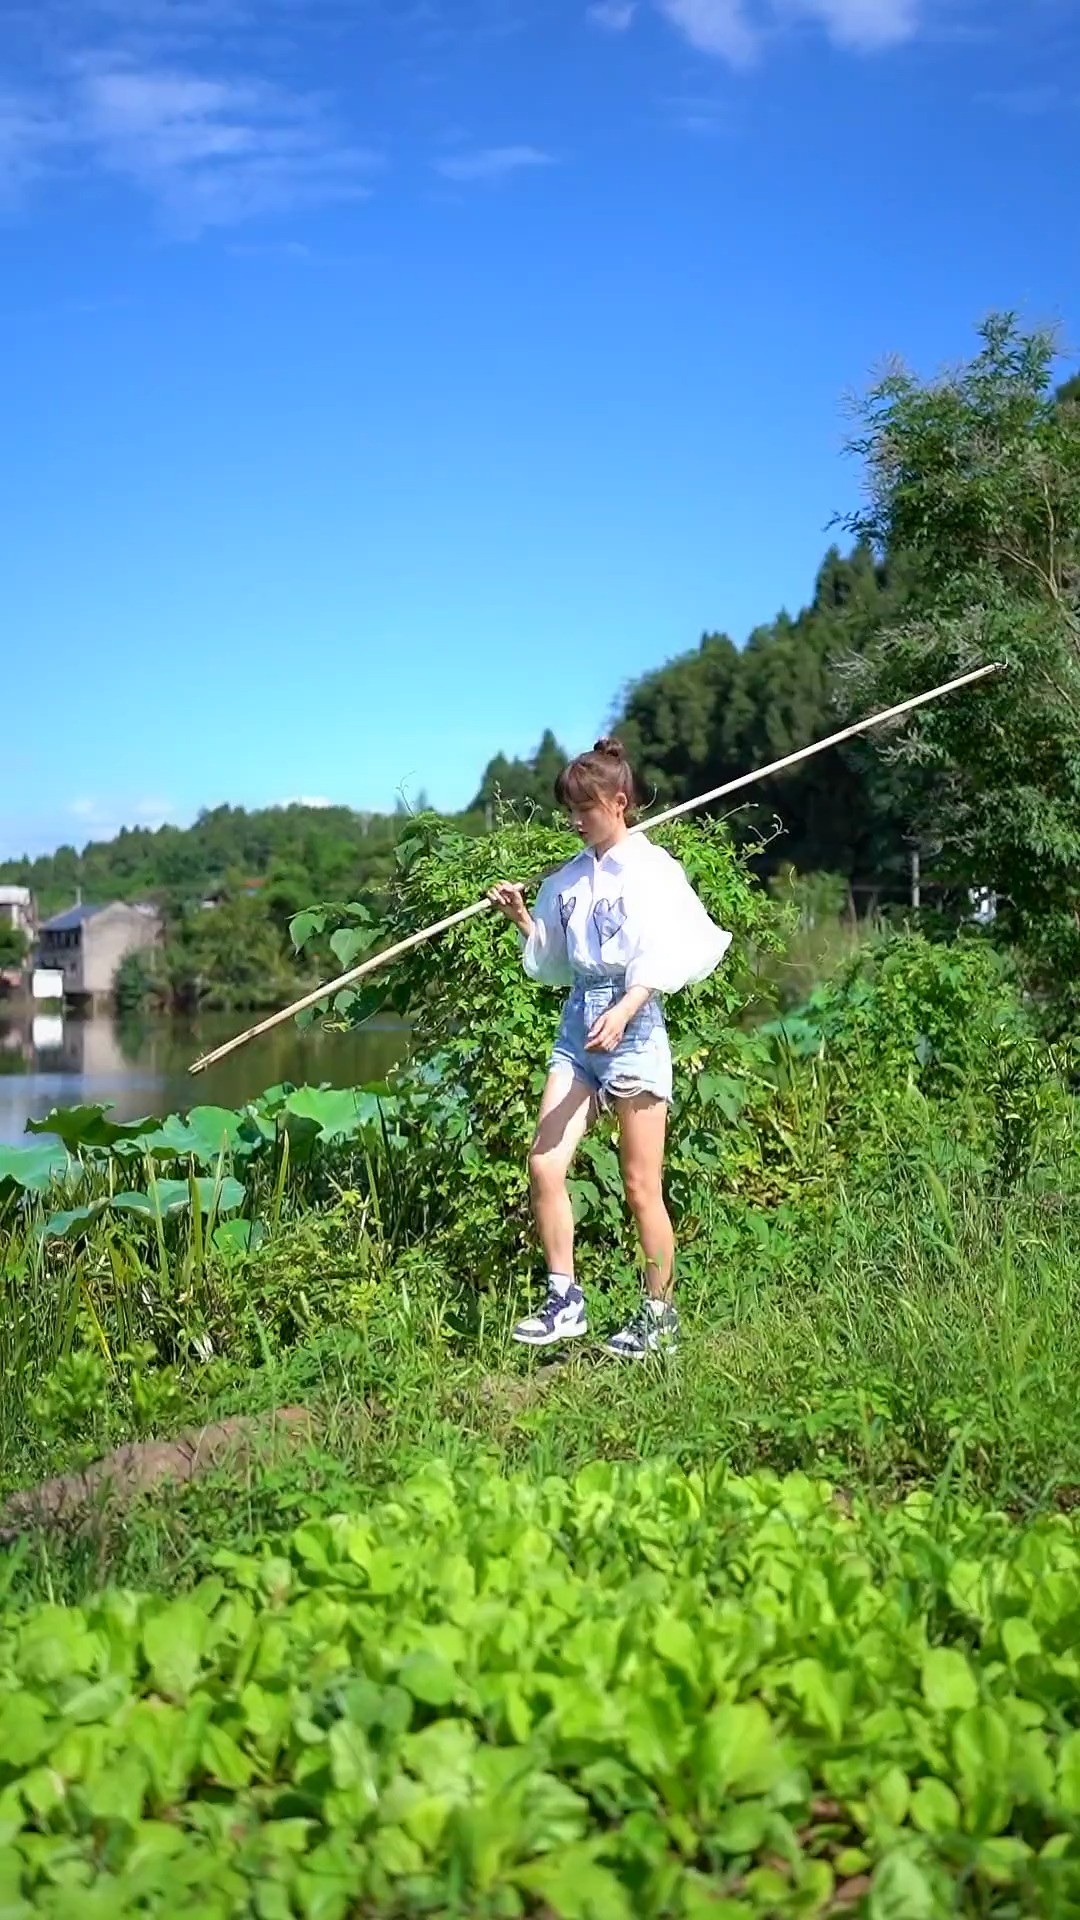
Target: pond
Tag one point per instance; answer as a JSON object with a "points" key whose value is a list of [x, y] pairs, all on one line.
{"points": [[48, 1060]]}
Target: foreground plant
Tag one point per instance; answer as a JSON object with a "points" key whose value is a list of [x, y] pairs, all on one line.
{"points": [[634, 1694]]}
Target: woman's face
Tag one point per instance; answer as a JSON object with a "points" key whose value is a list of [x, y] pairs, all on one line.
{"points": [[599, 822]]}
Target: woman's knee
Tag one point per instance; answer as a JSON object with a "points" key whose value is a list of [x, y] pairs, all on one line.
{"points": [[644, 1189], [547, 1171]]}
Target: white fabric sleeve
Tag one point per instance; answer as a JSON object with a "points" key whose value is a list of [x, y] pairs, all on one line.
{"points": [[678, 944], [544, 953]]}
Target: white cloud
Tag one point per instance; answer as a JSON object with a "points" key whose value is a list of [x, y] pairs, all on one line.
{"points": [[491, 163], [29, 133], [733, 30], [718, 27], [213, 152], [615, 16], [864, 25]]}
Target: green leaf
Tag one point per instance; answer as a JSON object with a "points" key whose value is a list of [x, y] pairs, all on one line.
{"points": [[332, 1113], [224, 1759], [70, 1224], [742, 1830], [351, 1762], [174, 1640], [1020, 1640], [24, 1730], [88, 1126], [901, 1891], [935, 1808], [948, 1682], [720, 1090], [429, 1678], [1068, 1789], [575, 1887], [174, 1197], [348, 945], [33, 1168], [303, 926], [237, 1237]]}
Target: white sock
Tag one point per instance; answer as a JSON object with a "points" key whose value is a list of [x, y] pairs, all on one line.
{"points": [[560, 1283], [658, 1306]]}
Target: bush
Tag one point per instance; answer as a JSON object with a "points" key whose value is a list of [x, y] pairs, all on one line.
{"points": [[485, 1031]]}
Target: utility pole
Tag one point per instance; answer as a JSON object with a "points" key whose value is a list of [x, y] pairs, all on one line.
{"points": [[916, 880]]}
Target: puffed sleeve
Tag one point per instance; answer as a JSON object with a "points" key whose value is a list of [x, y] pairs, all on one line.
{"points": [[678, 944], [544, 952]]}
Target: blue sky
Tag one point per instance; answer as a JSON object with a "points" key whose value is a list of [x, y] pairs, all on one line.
{"points": [[388, 379]]}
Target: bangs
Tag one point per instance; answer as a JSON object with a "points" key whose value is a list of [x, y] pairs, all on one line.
{"points": [[579, 786]]}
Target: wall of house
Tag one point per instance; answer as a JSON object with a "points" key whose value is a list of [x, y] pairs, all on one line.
{"points": [[106, 939], [63, 952]]}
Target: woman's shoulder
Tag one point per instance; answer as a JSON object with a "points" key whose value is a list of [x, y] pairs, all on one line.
{"points": [[565, 875], [656, 859]]}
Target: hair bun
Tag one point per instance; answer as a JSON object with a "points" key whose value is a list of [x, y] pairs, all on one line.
{"points": [[614, 749]]}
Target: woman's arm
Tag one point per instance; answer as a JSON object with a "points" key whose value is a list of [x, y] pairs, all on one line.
{"points": [[544, 955], [678, 944]]}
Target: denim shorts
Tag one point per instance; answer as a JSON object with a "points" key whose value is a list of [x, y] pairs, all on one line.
{"points": [[641, 1063]]}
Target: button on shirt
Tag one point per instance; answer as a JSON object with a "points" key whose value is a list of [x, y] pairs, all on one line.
{"points": [[633, 912]]}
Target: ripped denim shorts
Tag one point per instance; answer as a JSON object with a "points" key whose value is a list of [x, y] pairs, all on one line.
{"points": [[641, 1063]]}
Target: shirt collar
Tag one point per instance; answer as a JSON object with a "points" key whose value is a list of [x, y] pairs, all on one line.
{"points": [[618, 857]]}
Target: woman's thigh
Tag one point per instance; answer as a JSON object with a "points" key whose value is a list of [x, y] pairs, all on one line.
{"points": [[565, 1112], [642, 1138]]}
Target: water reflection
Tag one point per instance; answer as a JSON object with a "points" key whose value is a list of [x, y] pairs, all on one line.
{"points": [[49, 1060]]}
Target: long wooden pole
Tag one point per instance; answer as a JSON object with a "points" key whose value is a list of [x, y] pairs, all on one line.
{"points": [[658, 820]]}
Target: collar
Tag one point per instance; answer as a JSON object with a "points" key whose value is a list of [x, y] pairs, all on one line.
{"points": [[618, 857]]}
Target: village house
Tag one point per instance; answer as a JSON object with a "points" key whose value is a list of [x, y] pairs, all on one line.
{"points": [[86, 944]]}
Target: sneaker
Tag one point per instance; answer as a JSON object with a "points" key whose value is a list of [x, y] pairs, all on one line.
{"points": [[648, 1332], [562, 1317]]}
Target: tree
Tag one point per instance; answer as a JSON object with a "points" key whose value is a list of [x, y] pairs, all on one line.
{"points": [[13, 945], [975, 476], [716, 713], [524, 785]]}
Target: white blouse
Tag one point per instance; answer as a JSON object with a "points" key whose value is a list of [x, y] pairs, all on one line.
{"points": [[632, 911]]}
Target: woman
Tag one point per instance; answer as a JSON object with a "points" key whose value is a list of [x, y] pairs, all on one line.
{"points": [[619, 924]]}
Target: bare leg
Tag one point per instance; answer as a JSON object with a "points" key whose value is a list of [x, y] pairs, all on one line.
{"points": [[642, 1134], [565, 1111]]}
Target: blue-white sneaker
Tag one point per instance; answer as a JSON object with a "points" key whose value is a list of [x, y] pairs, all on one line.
{"points": [[562, 1317], [653, 1329]]}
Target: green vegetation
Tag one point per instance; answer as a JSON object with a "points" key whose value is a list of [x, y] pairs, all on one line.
{"points": [[782, 1625], [12, 945]]}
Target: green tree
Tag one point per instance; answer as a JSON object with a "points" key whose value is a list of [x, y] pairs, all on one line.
{"points": [[976, 477], [227, 957], [523, 785], [13, 945], [714, 714]]}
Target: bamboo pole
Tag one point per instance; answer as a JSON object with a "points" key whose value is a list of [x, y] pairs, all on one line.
{"points": [[658, 820]]}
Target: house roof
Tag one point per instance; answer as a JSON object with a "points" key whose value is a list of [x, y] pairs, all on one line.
{"points": [[15, 896], [73, 917]]}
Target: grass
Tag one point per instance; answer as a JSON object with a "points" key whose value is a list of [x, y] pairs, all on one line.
{"points": [[897, 1342], [913, 1339]]}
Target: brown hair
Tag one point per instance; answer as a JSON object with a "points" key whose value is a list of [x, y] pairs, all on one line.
{"points": [[600, 775]]}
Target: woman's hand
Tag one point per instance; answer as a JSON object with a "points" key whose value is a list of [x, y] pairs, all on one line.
{"points": [[605, 1033], [510, 900]]}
